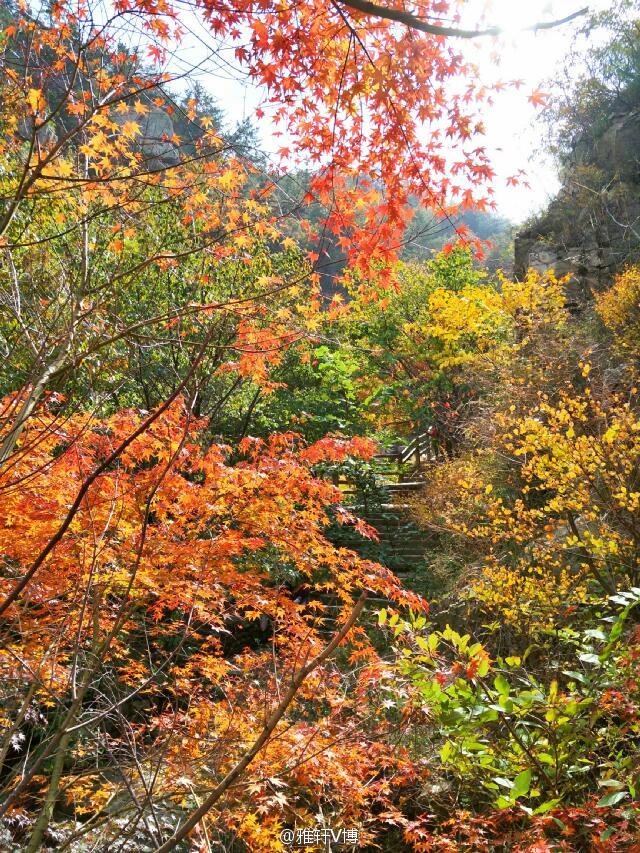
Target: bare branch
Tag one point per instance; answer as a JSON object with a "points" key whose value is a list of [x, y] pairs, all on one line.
{"points": [[415, 22], [275, 717]]}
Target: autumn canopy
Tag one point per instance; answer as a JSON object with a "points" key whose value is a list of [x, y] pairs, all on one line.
{"points": [[298, 528]]}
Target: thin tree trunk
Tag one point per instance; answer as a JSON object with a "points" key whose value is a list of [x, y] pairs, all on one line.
{"points": [[276, 715]]}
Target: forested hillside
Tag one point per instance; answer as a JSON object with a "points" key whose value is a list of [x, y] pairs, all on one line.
{"points": [[319, 527]]}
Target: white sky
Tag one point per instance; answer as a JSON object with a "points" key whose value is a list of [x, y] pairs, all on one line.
{"points": [[513, 127]]}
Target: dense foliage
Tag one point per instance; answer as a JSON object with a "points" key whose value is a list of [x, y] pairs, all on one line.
{"points": [[605, 80], [205, 637]]}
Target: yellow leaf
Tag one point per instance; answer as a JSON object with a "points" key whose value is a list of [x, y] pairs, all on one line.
{"points": [[130, 128], [35, 99]]}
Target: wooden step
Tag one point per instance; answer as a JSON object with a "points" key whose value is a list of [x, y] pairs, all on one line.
{"points": [[409, 486]]}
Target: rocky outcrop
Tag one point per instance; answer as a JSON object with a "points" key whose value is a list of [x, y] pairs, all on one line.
{"points": [[617, 151], [156, 141], [589, 267], [592, 228], [157, 137]]}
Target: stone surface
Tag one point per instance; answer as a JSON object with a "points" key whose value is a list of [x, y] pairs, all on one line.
{"points": [[156, 137], [592, 228], [590, 267], [618, 149]]}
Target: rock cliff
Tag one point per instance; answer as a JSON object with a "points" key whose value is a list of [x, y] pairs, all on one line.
{"points": [[592, 228]]}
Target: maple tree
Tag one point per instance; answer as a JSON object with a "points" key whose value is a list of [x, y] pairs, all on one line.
{"points": [[375, 111], [168, 550]]}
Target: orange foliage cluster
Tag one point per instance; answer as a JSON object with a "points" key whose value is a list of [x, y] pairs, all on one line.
{"points": [[367, 102], [164, 561]]}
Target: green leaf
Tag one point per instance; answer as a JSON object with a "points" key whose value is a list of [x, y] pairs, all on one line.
{"points": [[382, 617], [589, 657], [612, 798], [622, 598], [506, 704], [446, 751], [422, 643], [521, 784], [577, 676], [483, 668], [616, 631], [501, 685], [596, 634], [546, 807], [489, 715]]}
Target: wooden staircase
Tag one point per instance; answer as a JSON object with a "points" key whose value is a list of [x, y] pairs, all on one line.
{"points": [[403, 544]]}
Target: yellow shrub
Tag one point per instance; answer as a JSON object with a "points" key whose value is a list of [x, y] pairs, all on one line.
{"points": [[529, 596], [619, 309]]}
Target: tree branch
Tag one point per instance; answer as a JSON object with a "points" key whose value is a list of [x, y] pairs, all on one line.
{"points": [[104, 466], [275, 717], [415, 22]]}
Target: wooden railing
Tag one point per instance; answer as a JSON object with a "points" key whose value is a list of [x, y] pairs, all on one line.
{"points": [[421, 450], [400, 467]]}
